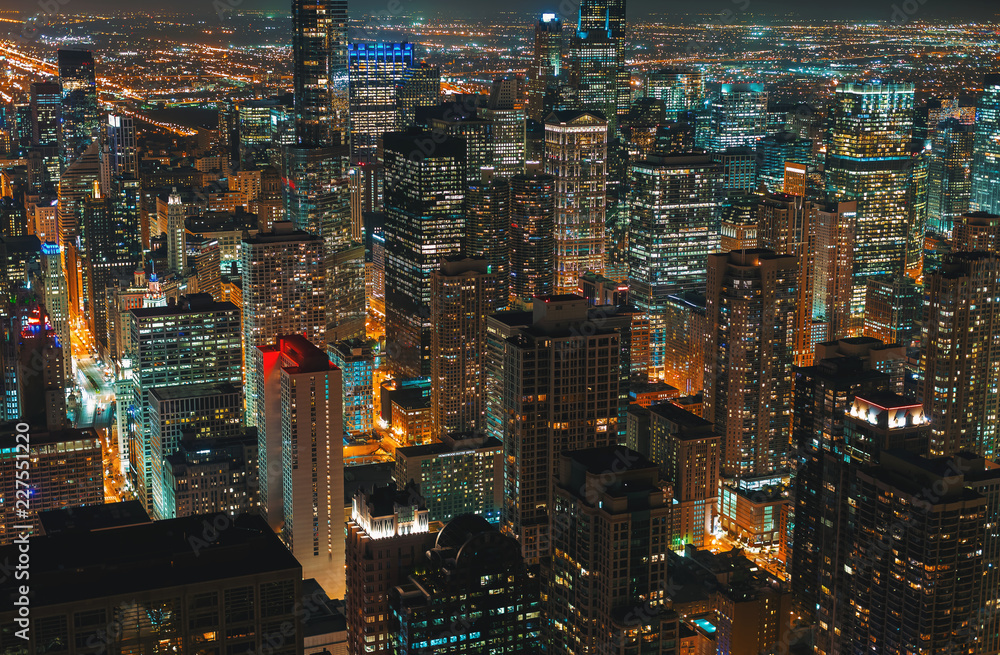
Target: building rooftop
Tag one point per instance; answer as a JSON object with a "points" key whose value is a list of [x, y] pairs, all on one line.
{"points": [[190, 304], [91, 518], [194, 390], [468, 443]]}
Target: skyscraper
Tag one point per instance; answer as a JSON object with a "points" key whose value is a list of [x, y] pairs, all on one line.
{"points": [[460, 118], [80, 112], [960, 356], [576, 150], [319, 73], [462, 295], [46, 111], [833, 280], [284, 277], [75, 184], [949, 182], [546, 66], [487, 221], [374, 71], [892, 308], [193, 341], [300, 435], [738, 116], [420, 87], [985, 191], [679, 89], [534, 368], [868, 160], [505, 112], [617, 529], [176, 234], [609, 16], [776, 150], [748, 357], [592, 59], [57, 299], [424, 193], [532, 235]]}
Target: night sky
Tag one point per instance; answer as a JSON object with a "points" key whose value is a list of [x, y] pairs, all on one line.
{"points": [[854, 9]]}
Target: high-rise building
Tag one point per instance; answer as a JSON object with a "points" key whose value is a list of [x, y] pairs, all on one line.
{"points": [[546, 66], [923, 588], [609, 16], [420, 87], [301, 455], [40, 372], [460, 118], [460, 474], [833, 258], [462, 295], [209, 475], [80, 117], [284, 278], [57, 298], [387, 536], [960, 358], [120, 154], [976, 231], [576, 151], [231, 586], [679, 89], [195, 340], [610, 521], [374, 71], [556, 348], [75, 184], [892, 308], [471, 592], [192, 411], [532, 235], [949, 184], [687, 451], [738, 116], [66, 471], [985, 191], [355, 359], [487, 221], [505, 112], [749, 352], [319, 73], [592, 60], [45, 108], [424, 193], [777, 150], [868, 160]]}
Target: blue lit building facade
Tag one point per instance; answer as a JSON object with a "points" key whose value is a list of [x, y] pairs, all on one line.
{"points": [[374, 71], [986, 151], [355, 359]]}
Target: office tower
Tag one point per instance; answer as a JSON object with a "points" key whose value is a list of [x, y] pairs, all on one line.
{"points": [[558, 348], [824, 392], [56, 299], [471, 591], [463, 292], [212, 410], [738, 227], [505, 111], [76, 183], [317, 200], [45, 105], [319, 73], [892, 309], [374, 71], [893, 583], [424, 193], [367, 189], [739, 166], [460, 118], [985, 196], [109, 239], [609, 16], [833, 279], [868, 160], [679, 89], [675, 208], [738, 116], [785, 227], [420, 87], [749, 352], [487, 221], [592, 62], [208, 475], [284, 280], [777, 150], [80, 117], [354, 358], [576, 151], [176, 234], [687, 451], [684, 328], [255, 132], [949, 181], [532, 235], [460, 474], [916, 216], [229, 587], [194, 340], [121, 154], [41, 373], [546, 66], [387, 535], [609, 529], [959, 356], [66, 471], [301, 454]]}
